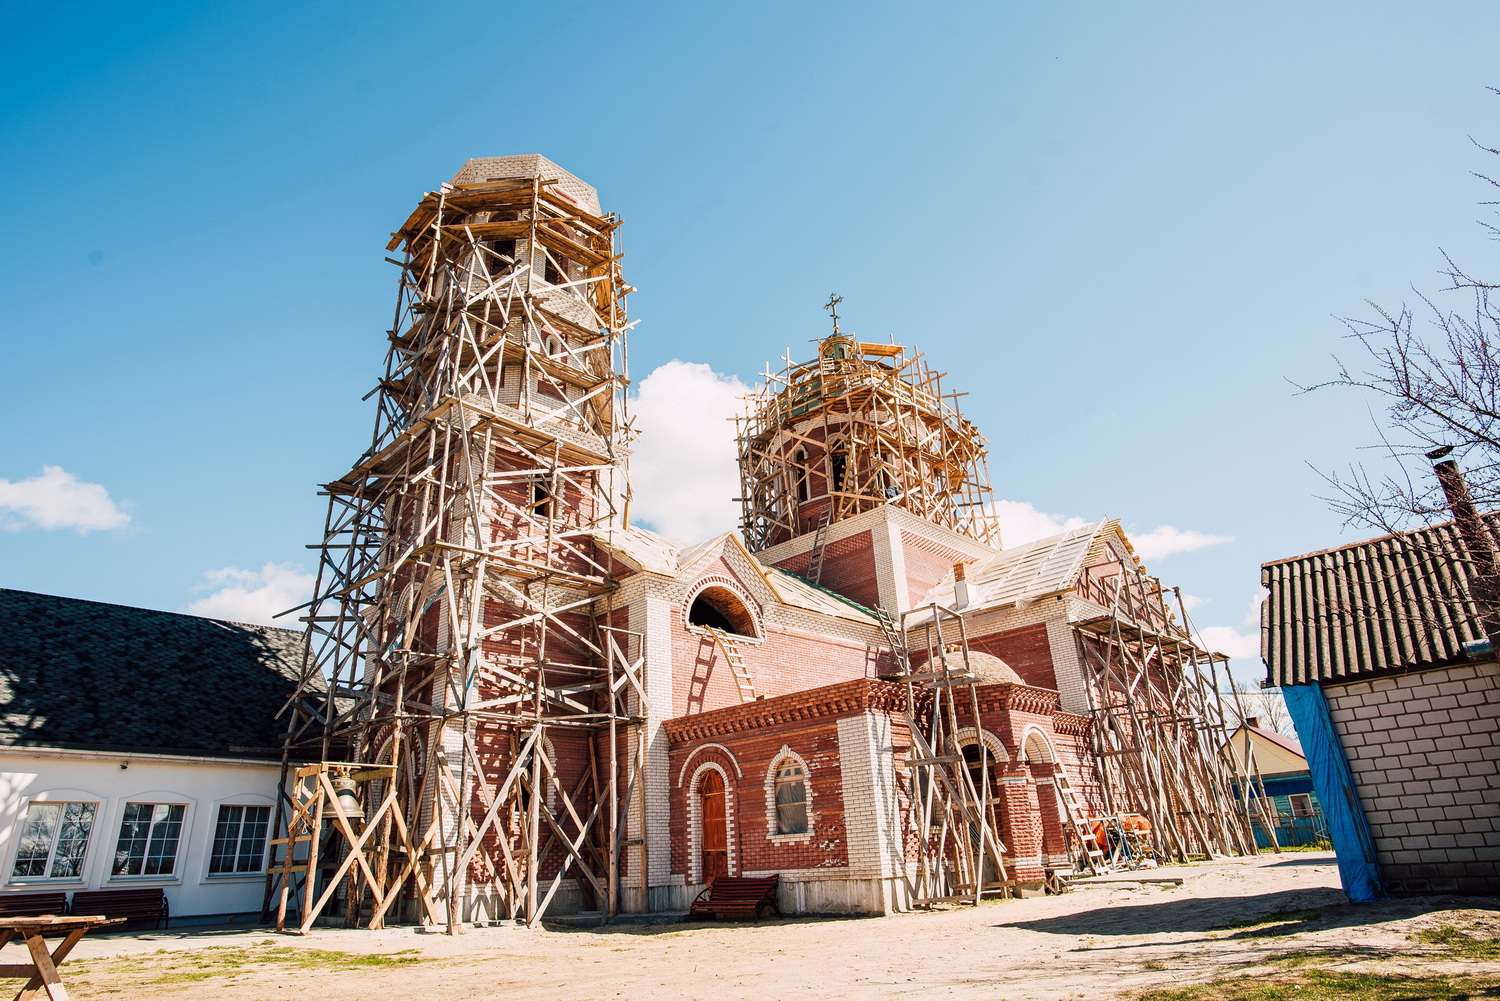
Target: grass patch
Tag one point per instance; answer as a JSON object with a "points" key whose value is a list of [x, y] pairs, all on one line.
{"points": [[186, 966], [1458, 942], [1323, 985]]}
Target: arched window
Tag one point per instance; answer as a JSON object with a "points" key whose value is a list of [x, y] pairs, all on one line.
{"points": [[720, 608], [791, 797], [800, 486], [838, 464]]}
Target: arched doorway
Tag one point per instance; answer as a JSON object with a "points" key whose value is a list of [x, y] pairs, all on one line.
{"points": [[981, 763], [715, 829]]}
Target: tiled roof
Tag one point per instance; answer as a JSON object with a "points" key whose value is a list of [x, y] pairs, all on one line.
{"points": [[85, 674], [1034, 570], [650, 551], [1394, 603]]}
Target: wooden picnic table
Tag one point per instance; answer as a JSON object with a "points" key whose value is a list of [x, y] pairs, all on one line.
{"points": [[41, 972]]}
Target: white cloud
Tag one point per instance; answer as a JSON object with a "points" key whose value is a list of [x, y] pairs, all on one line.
{"points": [[1021, 522], [57, 499], [1162, 542], [1229, 640], [1192, 601], [684, 471], [254, 595]]}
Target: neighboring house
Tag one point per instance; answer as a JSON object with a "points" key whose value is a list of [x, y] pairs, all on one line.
{"points": [[139, 749], [1391, 683], [1286, 779]]}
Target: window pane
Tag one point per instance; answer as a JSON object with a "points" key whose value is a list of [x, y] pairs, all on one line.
{"points": [[54, 838], [72, 840], [791, 799], [36, 839], [149, 834], [240, 839], [253, 838]]}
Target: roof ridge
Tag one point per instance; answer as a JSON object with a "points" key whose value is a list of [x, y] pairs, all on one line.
{"points": [[153, 611]]}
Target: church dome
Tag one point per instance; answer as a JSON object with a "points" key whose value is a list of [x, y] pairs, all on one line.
{"points": [[991, 670]]}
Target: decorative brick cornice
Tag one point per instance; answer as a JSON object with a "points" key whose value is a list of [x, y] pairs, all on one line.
{"points": [[848, 698], [1071, 724], [1018, 698]]}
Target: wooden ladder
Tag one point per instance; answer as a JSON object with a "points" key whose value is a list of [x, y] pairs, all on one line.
{"points": [[895, 640], [1073, 813], [815, 561], [731, 649]]}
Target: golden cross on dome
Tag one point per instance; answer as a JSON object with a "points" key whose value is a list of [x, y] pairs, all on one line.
{"points": [[832, 305]]}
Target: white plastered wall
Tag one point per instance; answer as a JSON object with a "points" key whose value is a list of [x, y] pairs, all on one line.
{"points": [[201, 785]]}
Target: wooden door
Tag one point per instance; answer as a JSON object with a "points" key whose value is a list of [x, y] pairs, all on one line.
{"points": [[715, 830]]}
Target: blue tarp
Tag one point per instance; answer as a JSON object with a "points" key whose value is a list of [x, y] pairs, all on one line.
{"points": [[1337, 795]]}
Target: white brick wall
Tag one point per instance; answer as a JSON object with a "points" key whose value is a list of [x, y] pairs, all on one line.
{"points": [[872, 816], [1425, 752]]}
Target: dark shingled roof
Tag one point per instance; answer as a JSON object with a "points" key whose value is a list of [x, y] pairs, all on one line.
{"points": [[1399, 602], [84, 674]]}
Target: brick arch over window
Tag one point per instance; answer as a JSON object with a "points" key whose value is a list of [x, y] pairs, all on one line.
{"points": [[1035, 747], [719, 603], [787, 756], [968, 735], [695, 820]]}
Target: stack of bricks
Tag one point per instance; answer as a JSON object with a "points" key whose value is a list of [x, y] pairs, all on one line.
{"points": [[1425, 752]]}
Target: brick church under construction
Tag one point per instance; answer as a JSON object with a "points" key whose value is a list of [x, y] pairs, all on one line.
{"points": [[535, 707]]}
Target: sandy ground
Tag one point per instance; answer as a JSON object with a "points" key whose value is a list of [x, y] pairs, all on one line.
{"points": [[1096, 942]]}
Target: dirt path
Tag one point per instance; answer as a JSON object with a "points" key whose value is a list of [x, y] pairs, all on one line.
{"points": [[1092, 943]]}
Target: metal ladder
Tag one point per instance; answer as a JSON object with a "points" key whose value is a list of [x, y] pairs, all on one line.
{"points": [[815, 561], [1073, 813], [731, 649]]}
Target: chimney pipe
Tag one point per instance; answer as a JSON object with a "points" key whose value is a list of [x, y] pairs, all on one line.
{"points": [[1484, 587], [960, 586]]}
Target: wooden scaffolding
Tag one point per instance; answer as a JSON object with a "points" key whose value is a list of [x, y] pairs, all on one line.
{"points": [[861, 426], [460, 747], [1158, 724], [952, 821]]}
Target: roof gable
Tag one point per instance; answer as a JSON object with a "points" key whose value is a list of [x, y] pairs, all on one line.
{"points": [[1033, 570]]}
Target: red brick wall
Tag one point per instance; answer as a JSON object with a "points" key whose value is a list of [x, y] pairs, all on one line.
{"points": [[806, 723], [817, 743], [848, 568], [784, 662], [1025, 649]]}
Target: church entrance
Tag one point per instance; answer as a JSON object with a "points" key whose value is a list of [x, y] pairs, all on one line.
{"points": [[987, 789], [715, 828]]}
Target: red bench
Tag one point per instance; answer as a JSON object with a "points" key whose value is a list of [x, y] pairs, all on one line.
{"points": [[133, 905], [737, 897], [32, 904]]}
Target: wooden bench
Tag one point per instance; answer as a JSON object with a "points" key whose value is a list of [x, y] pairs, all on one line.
{"points": [[33, 904], [737, 897], [133, 905]]}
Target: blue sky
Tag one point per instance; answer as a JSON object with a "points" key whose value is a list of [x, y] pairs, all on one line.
{"points": [[1126, 230]]}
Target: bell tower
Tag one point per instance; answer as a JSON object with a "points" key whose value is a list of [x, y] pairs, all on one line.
{"points": [[462, 611]]}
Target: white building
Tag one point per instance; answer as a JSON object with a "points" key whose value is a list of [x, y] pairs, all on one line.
{"points": [[139, 749]]}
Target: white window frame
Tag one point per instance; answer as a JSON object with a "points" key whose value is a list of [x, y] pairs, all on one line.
{"points": [[772, 831], [60, 799], [242, 803], [183, 832]]}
